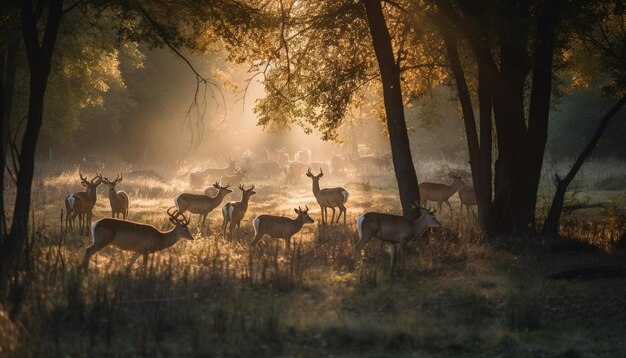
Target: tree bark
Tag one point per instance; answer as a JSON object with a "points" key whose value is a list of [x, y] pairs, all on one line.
{"points": [[394, 109], [39, 62], [551, 225]]}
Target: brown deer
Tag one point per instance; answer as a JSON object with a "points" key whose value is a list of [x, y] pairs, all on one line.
{"points": [[117, 199], [131, 236], [329, 197], [198, 178], [81, 203], [234, 211], [392, 229], [467, 196], [280, 227], [441, 192], [234, 179], [202, 204]]}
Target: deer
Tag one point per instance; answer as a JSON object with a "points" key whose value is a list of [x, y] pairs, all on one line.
{"points": [[234, 178], [467, 196], [143, 239], [81, 203], [117, 199], [202, 204], [393, 229], [197, 178], [234, 211], [280, 227], [440, 192], [329, 198]]}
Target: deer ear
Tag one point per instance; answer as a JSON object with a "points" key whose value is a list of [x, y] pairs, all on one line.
{"points": [[296, 210]]}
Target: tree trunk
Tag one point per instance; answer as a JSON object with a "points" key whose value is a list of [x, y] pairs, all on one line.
{"points": [[479, 154], [551, 226], [39, 62], [541, 92], [394, 109]]}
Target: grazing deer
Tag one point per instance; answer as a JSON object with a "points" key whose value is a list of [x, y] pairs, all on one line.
{"points": [[393, 229], [197, 178], [234, 211], [118, 199], [143, 239], [329, 198], [467, 196], [280, 227], [440, 192], [81, 203], [202, 204], [234, 179]]}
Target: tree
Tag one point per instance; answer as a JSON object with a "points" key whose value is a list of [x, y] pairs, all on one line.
{"points": [[605, 44]]}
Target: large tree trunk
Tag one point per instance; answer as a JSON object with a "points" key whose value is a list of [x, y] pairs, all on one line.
{"points": [[39, 62], [551, 226], [541, 92], [394, 109], [479, 154]]}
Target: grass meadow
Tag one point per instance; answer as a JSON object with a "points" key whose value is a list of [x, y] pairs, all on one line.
{"points": [[452, 294]]}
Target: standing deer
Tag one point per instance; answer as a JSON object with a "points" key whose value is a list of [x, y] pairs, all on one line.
{"points": [[117, 199], [202, 204], [81, 203], [467, 196], [234, 211], [440, 192], [280, 227], [329, 198], [393, 229], [143, 239]]}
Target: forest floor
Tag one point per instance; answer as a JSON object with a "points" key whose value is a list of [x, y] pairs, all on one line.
{"points": [[452, 294]]}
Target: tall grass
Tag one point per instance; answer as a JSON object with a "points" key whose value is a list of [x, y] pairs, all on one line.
{"points": [[452, 293]]}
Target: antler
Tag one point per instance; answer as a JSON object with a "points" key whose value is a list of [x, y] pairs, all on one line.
{"points": [[240, 186], [99, 177], [308, 172], [306, 207], [82, 178], [251, 188], [175, 214], [321, 172], [455, 173], [118, 179]]}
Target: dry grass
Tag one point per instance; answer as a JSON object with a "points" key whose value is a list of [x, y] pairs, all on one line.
{"points": [[453, 294]]}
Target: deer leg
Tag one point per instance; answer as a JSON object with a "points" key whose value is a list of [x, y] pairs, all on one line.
{"points": [[132, 261], [257, 237], [332, 219], [342, 209], [440, 204], [392, 253], [145, 262], [449, 206], [288, 242]]}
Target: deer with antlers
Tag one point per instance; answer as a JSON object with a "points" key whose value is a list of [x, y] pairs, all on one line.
{"points": [[329, 197], [117, 199], [143, 239], [441, 192], [234, 211], [392, 229], [202, 204], [280, 227], [81, 203]]}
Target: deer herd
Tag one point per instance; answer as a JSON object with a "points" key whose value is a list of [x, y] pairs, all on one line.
{"points": [[144, 239]]}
